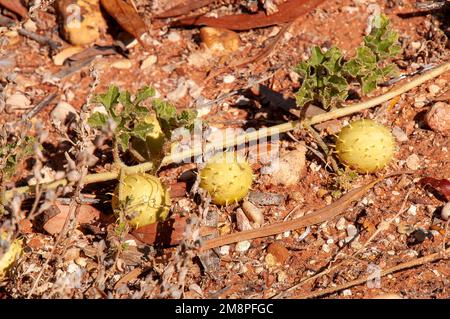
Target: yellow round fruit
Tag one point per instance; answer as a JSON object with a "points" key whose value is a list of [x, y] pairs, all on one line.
{"points": [[154, 142], [8, 257], [365, 146], [227, 178], [144, 199]]}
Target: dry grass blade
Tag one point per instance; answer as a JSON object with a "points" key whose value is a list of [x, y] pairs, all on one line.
{"points": [[319, 216], [127, 17], [15, 6], [128, 277], [409, 264]]}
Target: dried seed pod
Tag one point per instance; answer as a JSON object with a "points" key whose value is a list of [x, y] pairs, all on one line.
{"points": [[365, 146], [144, 199], [227, 178]]}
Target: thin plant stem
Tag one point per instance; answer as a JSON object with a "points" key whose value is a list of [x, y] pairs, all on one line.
{"points": [[248, 137]]}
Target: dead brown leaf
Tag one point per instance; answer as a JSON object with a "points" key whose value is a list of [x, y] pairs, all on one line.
{"points": [[287, 12], [85, 215], [184, 8], [127, 17], [167, 233], [15, 6]]}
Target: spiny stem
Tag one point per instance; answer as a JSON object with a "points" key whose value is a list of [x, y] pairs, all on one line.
{"points": [[248, 137]]}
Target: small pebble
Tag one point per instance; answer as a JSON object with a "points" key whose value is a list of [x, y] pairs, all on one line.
{"points": [[228, 79], [224, 250], [174, 36], [266, 199], [281, 277], [413, 162], [399, 134], [270, 260], [351, 231], [242, 221], [412, 210], [122, 64], [434, 89], [326, 248], [253, 213], [242, 246], [347, 292], [420, 101], [356, 245], [220, 41], [62, 111], [438, 118], [80, 261], [17, 101], [148, 62], [30, 25], [290, 168], [415, 45], [340, 225], [445, 211]]}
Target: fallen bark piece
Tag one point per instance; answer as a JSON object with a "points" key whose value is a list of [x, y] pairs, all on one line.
{"points": [[183, 8], [127, 17], [167, 233], [287, 12], [57, 215]]}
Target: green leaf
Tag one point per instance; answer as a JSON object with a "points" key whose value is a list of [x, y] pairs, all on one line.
{"points": [[302, 69], [142, 129], [316, 56], [123, 139], [143, 94], [109, 99], [369, 83], [97, 120], [164, 110], [352, 67], [125, 99], [366, 56], [389, 70], [333, 60], [187, 117]]}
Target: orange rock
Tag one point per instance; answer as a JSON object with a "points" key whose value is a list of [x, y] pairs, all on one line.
{"points": [[220, 41], [25, 226], [280, 252]]}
